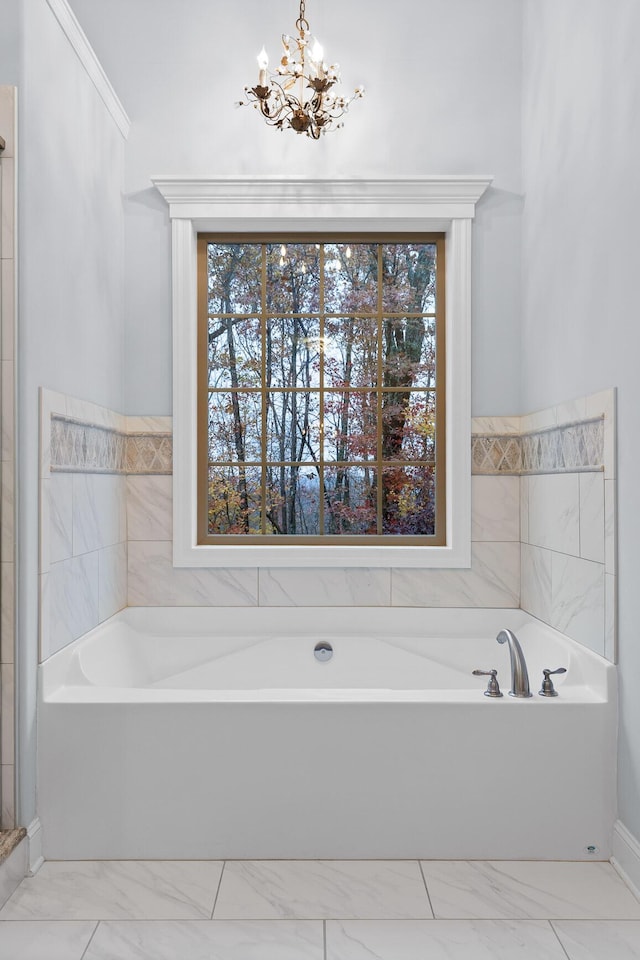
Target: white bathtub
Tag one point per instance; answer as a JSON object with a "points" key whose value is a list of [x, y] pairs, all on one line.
{"points": [[215, 733]]}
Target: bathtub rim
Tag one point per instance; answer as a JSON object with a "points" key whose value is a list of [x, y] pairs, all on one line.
{"points": [[599, 680]]}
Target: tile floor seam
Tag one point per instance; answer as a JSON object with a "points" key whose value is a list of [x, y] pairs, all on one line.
{"points": [[90, 941], [535, 919], [215, 899], [590, 911], [424, 880], [557, 935], [513, 935]]}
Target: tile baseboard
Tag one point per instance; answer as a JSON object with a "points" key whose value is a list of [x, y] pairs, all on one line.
{"points": [[626, 856], [34, 839]]}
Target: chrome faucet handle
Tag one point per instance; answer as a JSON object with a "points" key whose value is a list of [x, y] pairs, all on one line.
{"points": [[548, 689], [493, 688]]}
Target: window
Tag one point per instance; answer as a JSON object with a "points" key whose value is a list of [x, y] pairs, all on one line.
{"points": [[321, 389], [257, 207]]}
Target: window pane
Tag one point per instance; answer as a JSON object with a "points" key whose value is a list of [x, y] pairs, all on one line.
{"points": [[293, 352], [350, 426], [408, 425], [321, 387], [293, 425], [409, 352], [409, 277], [235, 427], [408, 501], [234, 500], [350, 277], [351, 352], [234, 277], [235, 352], [350, 501], [293, 500], [293, 281]]}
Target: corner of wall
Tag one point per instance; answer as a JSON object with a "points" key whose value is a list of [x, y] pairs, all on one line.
{"points": [[8, 485], [35, 858], [87, 57], [626, 856]]}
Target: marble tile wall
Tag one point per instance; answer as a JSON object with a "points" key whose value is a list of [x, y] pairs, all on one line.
{"points": [[83, 518], [543, 535], [568, 536], [539, 540], [8, 248], [493, 581]]}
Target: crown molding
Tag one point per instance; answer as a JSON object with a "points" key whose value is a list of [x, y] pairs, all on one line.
{"points": [[87, 57], [410, 198]]}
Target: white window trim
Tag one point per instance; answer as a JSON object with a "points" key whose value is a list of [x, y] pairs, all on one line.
{"points": [[281, 204]]}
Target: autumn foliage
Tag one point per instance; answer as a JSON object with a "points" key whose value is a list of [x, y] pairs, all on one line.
{"points": [[321, 388]]}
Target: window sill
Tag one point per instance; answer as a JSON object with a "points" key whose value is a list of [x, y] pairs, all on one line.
{"points": [[330, 556]]}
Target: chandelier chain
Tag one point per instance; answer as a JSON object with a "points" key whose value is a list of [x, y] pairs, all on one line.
{"points": [[302, 23]]}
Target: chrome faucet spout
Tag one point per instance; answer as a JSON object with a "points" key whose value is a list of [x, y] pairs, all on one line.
{"points": [[519, 672]]}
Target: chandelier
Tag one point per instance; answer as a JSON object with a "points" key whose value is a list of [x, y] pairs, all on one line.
{"points": [[299, 94]]}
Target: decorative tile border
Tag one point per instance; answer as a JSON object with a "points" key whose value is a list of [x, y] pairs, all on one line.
{"points": [[149, 453], [569, 448], [81, 447], [496, 455]]}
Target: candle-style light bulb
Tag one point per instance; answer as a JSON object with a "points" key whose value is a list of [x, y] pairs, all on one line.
{"points": [[263, 63], [317, 53]]}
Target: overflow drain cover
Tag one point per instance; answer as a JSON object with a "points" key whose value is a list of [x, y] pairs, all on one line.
{"points": [[323, 651]]}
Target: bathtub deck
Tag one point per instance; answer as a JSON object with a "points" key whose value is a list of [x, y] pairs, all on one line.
{"points": [[321, 910]]}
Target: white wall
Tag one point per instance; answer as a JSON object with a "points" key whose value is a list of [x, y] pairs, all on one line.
{"points": [[71, 287], [443, 96], [9, 42], [581, 149]]}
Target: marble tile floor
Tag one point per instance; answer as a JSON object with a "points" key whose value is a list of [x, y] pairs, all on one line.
{"points": [[321, 910]]}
